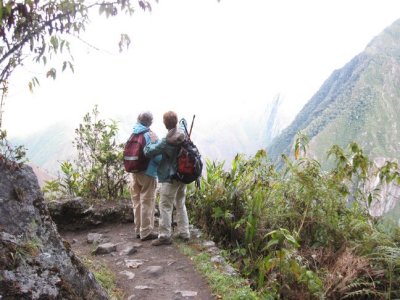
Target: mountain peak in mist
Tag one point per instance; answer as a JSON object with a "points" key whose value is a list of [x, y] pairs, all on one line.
{"points": [[359, 102]]}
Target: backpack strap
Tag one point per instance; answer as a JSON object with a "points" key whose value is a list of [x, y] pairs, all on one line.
{"points": [[143, 132]]}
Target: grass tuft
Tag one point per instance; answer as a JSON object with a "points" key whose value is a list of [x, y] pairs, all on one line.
{"points": [[105, 277], [223, 285]]}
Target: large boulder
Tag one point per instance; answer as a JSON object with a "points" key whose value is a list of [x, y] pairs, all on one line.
{"points": [[77, 213], [35, 262]]}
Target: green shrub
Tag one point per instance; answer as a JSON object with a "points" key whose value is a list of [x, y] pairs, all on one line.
{"points": [[98, 171], [292, 230]]}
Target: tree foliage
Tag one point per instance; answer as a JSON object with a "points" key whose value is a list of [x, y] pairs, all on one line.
{"points": [[40, 30]]}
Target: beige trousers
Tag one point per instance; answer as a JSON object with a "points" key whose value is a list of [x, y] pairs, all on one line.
{"points": [[173, 194], [143, 192]]}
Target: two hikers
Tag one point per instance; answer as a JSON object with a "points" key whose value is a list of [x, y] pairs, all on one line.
{"points": [[163, 164]]}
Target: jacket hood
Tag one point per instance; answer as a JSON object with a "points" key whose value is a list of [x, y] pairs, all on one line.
{"points": [[139, 128], [175, 136]]}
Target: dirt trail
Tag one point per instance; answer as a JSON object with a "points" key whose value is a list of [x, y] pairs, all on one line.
{"points": [[151, 273]]}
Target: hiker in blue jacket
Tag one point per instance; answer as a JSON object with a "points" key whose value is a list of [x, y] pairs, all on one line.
{"points": [[173, 192], [144, 184]]}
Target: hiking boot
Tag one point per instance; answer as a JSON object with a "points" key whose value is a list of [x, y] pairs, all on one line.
{"points": [[182, 238], [150, 236], [162, 241]]}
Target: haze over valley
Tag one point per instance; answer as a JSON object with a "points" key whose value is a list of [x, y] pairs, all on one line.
{"points": [[244, 90], [357, 103], [220, 140]]}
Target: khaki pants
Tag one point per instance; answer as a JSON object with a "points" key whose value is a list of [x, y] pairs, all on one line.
{"points": [[173, 194], [143, 192]]}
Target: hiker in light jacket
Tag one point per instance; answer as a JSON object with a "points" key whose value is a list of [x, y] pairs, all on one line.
{"points": [[173, 192], [144, 184]]}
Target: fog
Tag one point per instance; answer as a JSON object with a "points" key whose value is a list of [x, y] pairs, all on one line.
{"points": [[223, 61]]}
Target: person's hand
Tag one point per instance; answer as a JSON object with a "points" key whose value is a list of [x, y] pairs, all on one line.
{"points": [[153, 137]]}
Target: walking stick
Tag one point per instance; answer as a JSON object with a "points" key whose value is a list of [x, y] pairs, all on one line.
{"points": [[191, 126]]}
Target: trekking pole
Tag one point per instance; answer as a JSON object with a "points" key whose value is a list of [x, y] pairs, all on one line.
{"points": [[191, 126], [184, 126]]}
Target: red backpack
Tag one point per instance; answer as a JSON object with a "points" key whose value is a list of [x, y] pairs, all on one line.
{"points": [[134, 158], [189, 164]]}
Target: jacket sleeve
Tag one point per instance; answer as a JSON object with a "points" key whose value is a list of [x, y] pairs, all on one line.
{"points": [[154, 149], [150, 138]]}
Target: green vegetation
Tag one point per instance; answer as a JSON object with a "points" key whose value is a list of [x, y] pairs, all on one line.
{"points": [[98, 170], [296, 230], [12, 156], [29, 248], [105, 277], [301, 232], [224, 286], [41, 31]]}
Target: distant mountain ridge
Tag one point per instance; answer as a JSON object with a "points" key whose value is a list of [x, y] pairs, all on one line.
{"points": [[274, 120], [220, 140], [41, 175], [359, 102], [47, 148]]}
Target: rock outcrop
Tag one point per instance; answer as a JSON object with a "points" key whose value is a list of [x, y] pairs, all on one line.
{"points": [[386, 195], [35, 262], [76, 213]]}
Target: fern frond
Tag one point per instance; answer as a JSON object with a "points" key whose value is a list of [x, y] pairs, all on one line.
{"points": [[365, 293]]}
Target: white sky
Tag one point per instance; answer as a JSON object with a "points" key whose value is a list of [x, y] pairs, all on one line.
{"points": [[213, 59]]}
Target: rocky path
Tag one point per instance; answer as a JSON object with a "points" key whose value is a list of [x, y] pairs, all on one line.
{"points": [[142, 271]]}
